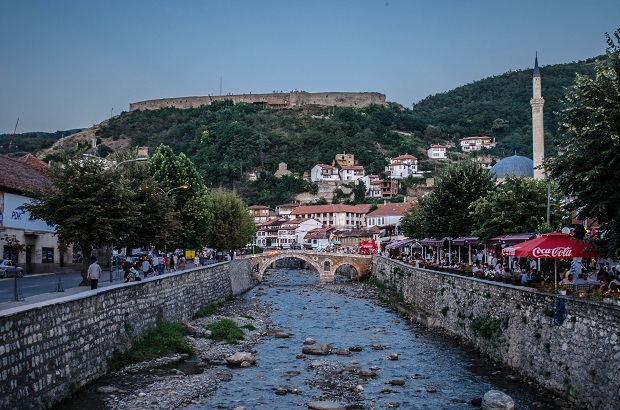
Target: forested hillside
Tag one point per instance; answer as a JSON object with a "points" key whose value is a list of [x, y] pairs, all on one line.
{"points": [[228, 141]]}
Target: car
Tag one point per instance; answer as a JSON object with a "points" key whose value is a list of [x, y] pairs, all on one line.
{"points": [[8, 268]]}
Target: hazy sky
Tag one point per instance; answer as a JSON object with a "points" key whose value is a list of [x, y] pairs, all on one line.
{"points": [[70, 64]]}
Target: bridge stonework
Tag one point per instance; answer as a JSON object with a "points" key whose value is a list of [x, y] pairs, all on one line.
{"points": [[325, 263]]}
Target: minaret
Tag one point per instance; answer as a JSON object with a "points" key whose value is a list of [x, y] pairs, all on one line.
{"points": [[538, 130]]}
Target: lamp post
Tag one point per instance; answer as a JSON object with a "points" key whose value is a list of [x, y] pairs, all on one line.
{"points": [[116, 166]]}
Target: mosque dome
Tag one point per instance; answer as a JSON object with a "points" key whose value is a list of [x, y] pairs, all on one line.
{"points": [[513, 166]]}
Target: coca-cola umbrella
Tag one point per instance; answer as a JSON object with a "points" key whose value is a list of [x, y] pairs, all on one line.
{"points": [[556, 245]]}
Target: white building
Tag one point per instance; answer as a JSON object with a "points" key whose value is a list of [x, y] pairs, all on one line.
{"points": [[293, 231], [387, 217], [437, 152], [351, 172], [476, 143], [336, 215], [402, 166], [323, 172]]}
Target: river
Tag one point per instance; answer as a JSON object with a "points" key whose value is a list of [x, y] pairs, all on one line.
{"points": [[408, 366]]}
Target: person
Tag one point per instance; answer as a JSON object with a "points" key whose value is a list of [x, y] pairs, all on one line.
{"points": [[94, 272], [567, 280], [580, 280], [146, 267], [126, 266], [196, 260], [161, 264], [181, 263], [537, 278], [525, 278], [135, 273]]}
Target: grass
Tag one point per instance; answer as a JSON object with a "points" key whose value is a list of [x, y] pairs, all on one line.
{"points": [[226, 329], [163, 340], [205, 311]]}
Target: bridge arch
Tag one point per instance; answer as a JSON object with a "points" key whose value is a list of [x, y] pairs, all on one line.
{"points": [[324, 263]]}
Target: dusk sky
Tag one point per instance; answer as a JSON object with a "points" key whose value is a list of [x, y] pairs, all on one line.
{"points": [[71, 64]]}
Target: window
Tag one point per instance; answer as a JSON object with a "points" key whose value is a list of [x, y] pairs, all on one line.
{"points": [[47, 255]]}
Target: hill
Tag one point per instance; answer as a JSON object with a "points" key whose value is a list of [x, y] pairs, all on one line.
{"points": [[227, 142]]}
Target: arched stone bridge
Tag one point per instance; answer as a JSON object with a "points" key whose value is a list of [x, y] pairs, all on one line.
{"points": [[325, 263]]}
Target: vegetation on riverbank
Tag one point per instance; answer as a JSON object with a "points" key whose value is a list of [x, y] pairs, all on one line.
{"points": [[164, 339]]}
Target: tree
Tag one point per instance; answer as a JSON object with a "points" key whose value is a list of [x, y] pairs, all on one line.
{"points": [[171, 172], [230, 225], [516, 205], [588, 167], [443, 212], [89, 202]]}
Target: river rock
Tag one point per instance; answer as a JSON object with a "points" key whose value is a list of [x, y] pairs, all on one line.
{"points": [[355, 348], [309, 341], [191, 329], [280, 392], [396, 382], [393, 356], [317, 349], [343, 352], [497, 400], [107, 389], [326, 405], [239, 358], [367, 373], [282, 335]]}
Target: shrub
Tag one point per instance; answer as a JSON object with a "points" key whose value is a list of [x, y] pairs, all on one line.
{"points": [[227, 330], [205, 311]]}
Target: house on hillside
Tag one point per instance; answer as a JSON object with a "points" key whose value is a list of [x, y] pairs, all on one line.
{"points": [[336, 215], [261, 213], [318, 239], [402, 167], [324, 173], [42, 253], [437, 152], [349, 173], [379, 188], [286, 209], [282, 170], [344, 159], [469, 144]]}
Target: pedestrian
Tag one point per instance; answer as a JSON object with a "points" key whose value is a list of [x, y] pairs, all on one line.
{"points": [[94, 272], [181, 263], [161, 264], [173, 262], [146, 267], [196, 260]]}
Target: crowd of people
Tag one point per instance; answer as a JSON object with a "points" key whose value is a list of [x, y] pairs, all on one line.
{"points": [[155, 264]]}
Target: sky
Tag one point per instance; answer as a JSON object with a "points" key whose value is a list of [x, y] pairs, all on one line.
{"points": [[72, 64]]}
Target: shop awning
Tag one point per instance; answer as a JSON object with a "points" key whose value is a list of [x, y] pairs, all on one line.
{"points": [[432, 242], [511, 239], [465, 240], [400, 244]]}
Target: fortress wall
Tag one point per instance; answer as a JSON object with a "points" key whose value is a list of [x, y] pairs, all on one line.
{"points": [[273, 100]]}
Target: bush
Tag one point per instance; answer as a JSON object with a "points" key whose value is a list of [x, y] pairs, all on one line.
{"points": [[205, 311], [164, 339], [227, 330]]}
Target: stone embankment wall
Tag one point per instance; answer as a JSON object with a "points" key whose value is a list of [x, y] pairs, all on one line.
{"points": [[579, 359], [51, 349], [274, 100]]}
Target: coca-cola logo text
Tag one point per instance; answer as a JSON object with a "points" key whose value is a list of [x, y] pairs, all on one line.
{"points": [[559, 252]]}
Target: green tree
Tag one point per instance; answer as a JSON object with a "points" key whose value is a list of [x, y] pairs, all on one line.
{"points": [[230, 225], [516, 205], [172, 172], [443, 212], [588, 168], [89, 202]]}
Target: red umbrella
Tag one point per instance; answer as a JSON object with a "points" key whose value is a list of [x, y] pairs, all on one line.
{"points": [[551, 245]]}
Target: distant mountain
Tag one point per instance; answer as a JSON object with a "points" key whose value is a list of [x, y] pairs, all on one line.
{"points": [[229, 142], [30, 142]]}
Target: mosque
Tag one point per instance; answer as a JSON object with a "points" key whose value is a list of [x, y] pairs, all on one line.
{"points": [[523, 166]]}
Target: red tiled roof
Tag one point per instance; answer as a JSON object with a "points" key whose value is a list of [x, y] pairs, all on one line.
{"points": [[406, 156], [325, 166], [352, 167], [257, 207], [20, 176], [333, 208], [391, 209]]}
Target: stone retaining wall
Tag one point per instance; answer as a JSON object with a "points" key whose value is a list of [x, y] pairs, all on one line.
{"points": [[49, 350], [579, 359]]}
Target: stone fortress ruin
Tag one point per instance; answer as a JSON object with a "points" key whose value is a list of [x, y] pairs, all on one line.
{"points": [[294, 99]]}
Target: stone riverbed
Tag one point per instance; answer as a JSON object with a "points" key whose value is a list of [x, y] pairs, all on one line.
{"points": [[377, 359]]}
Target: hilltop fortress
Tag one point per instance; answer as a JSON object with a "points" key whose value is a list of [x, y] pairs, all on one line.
{"points": [[294, 99]]}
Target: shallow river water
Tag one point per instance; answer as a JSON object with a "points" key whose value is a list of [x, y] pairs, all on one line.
{"points": [[437, 372]]}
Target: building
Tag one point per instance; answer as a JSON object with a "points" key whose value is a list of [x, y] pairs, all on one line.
{"points": [[267, 232], [42, 253], [337, 215], [351, 239], [292, 233], [538, 130], [476, 143], [402, 167], [285, 209], [437, 152], [282, 170], [387, 218], [323, 172], [261, 213], [344, 159], [318, 239], [379, 188], [515, 166], [350, 173]]}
